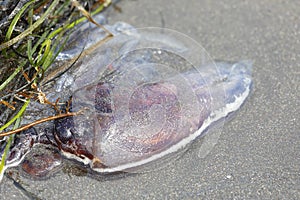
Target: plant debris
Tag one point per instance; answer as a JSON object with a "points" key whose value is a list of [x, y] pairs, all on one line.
{"points": [[32, 33]]}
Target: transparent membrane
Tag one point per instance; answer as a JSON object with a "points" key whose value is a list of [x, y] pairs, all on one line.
{"points": [[147, 94]]}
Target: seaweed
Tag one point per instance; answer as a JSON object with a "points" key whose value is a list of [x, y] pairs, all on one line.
{"points": [[35, 32]]}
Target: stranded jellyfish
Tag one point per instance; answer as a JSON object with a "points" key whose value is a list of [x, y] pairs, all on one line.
{"points": [[145, 94]]}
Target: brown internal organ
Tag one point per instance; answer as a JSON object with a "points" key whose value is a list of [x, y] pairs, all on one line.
{"points": [[154, 111]]}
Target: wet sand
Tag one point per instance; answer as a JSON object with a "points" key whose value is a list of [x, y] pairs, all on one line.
{"points": [[257, 156]]}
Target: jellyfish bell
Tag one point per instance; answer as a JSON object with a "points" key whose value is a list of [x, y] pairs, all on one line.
{"points": [[158, 91]]}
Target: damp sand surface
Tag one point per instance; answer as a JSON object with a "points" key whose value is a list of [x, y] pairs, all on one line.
{"points": [[257, 156]]}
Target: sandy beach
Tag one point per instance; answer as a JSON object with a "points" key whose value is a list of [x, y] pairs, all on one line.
{"points": [[257, 155]]}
